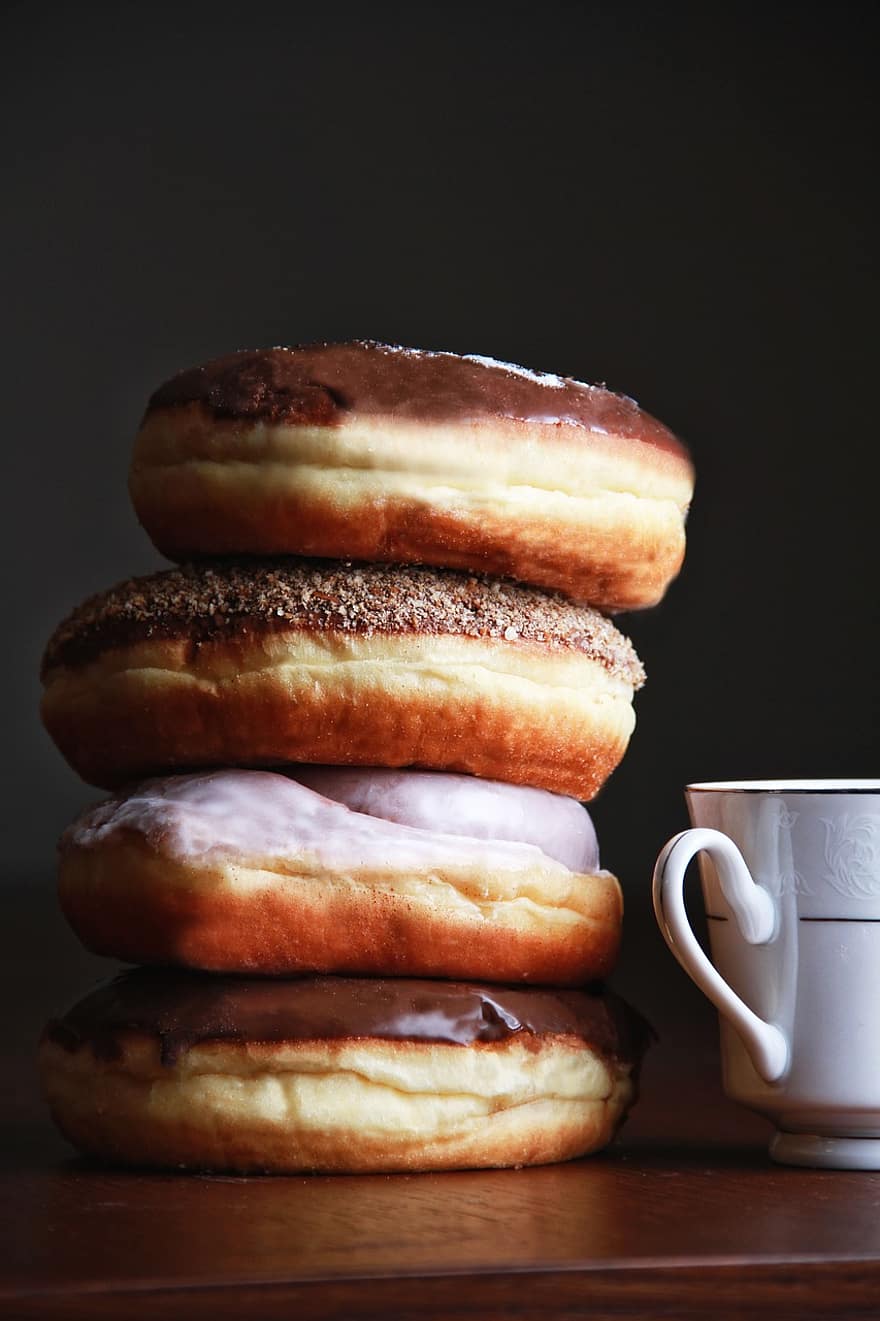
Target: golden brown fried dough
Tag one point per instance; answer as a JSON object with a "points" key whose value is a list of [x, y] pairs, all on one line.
{"points": [[312, 661], [380, 453], [338, 1074]]}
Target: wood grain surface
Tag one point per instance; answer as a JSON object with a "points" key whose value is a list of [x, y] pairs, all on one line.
{"points": [[685, 1216]]}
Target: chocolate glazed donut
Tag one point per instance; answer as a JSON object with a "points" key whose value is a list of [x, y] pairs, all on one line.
{"points": [[261, 664], [382, 453], [338, 1074]]}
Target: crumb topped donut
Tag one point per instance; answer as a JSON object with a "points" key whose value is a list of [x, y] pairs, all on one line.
{"points": [[205, 1072], [252, 871], [380, 453], [307, 661]]}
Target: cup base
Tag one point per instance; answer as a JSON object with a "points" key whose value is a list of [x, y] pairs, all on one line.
{"points": [[825, 1152]]}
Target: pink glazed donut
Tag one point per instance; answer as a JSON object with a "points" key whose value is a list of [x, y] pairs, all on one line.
{"points": [[401, 873]]}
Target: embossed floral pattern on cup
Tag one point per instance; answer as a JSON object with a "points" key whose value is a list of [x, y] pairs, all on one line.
{"points": [[852, 856]]}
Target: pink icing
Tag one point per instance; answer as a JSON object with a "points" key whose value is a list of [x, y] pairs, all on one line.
{"points": [[261, 814], [463, 805]]}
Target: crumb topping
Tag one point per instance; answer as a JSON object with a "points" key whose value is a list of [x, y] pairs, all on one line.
{"points": [[207, 602]]}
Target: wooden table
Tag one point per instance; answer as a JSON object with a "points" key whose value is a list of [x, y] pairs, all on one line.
{"points": [[684, 1217]]}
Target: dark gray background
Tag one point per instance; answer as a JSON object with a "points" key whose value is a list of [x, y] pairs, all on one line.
{"points": [[677, 200]]}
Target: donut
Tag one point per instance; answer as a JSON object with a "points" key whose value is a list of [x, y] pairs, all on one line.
{"points": [[380, 453], [267, 663], [343, 1075], [254, 872]]}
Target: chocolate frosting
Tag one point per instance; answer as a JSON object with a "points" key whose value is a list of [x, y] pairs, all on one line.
{"points": [[183, 1008], [323, 384]]}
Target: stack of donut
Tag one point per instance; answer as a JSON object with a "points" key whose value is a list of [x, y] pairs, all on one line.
{"points": [[348, 740]]}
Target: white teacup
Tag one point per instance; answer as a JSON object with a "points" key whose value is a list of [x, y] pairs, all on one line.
{"points": [[791, 884]]}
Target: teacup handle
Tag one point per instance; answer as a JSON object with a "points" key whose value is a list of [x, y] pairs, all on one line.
{"points": [[755, 914]]}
